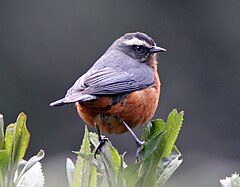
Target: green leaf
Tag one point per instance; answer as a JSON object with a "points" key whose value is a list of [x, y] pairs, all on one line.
{"points": [[159, 158], [16, 143], [167, 166], [3, 152], [131, 174], [93, 137], [3, 161], [9, 138], [233, 181], [9, 143], [14, 171], [116, 159], [148, 176], [150, 146], [17, 139], [160, 138], [86, 146], [109, 160], [93, 177], [152, 129], [2, 178], [172, 128], [82, 174], [2, 138], [21, 138], [140, 174], [143, 173]]}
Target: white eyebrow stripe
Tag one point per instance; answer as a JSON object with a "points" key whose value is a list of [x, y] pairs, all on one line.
{"points": [[136, 41]]}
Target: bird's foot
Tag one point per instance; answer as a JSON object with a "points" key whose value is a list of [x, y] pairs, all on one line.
{"points": [[102, 141], [139, 148], [139, 143]]}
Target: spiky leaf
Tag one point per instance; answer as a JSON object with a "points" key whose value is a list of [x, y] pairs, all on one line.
{"points": [[82, 176], [33, 177], [233, 181]]}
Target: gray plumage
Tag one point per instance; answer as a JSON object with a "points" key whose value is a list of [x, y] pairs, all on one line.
{"points": [[115, 73]]}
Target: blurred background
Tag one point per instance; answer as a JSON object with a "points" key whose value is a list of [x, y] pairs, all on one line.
{"points": [[45, 45]]}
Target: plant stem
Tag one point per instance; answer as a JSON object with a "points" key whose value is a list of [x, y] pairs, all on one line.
{"points": [[2, 181], [10, 178]]}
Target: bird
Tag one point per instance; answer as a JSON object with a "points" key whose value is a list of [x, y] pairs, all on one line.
{"points": [[122, 88]]}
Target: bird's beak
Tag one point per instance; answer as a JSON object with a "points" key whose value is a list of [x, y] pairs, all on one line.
{"points": [[156, 49]]}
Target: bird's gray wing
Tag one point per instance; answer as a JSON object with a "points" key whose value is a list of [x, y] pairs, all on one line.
{"points": [[107, 81]]}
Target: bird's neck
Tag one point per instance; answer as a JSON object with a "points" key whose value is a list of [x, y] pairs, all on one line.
{"points": [[153, 64], [152, 61]]}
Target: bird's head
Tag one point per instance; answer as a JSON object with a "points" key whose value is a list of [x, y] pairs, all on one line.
{"points": [[137, 45]]}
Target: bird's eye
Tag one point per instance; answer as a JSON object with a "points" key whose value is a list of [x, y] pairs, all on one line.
{"points": [[139, 48]]}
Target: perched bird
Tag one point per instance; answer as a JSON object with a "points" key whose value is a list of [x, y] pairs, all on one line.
{"points": [[121, 90]]}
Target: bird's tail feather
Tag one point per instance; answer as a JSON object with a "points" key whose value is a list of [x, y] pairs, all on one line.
{"points": [[58, 102], [73, 99]]}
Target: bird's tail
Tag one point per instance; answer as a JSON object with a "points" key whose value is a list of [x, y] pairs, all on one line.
{"points": [[58, 102], [73, 99]]}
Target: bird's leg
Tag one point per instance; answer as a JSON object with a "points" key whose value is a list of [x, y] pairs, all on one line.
{"points": [[102, 139], [139, 143]]}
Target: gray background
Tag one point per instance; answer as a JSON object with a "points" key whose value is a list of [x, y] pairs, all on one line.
{"points": [[45, 45]]}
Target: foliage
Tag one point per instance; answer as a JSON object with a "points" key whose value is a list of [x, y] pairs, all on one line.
{"points": [[159, 158], [14, 171], [233, 181]]}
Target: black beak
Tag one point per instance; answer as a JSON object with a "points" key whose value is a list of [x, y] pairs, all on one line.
{"points": [[156, 49]]}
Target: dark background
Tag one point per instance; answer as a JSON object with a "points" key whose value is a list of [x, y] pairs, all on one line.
{"points": [[45, 45]]}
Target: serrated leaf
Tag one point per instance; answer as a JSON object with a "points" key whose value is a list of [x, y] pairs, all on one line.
{"points": [[116, 159], [86, 146], [33, 177], [167, 166], [82, 173], [233, 181], [24, 166], [165, 144], [160, 139], [152, 169], [172, 128], [70, 171], [94, 139]]}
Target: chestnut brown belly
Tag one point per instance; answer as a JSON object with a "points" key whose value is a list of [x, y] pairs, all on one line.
{"points": [[135, 109]]}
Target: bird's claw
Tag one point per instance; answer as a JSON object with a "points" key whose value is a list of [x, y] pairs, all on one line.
{"points": [[139, 148], [102, 141]]}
